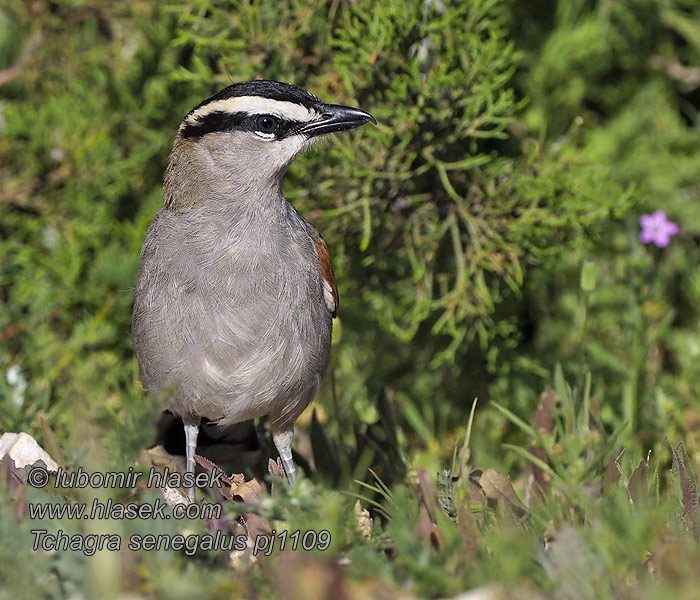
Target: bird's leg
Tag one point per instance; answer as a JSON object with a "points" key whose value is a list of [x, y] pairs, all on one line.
{"points": [[191, 431], [283, 443]]}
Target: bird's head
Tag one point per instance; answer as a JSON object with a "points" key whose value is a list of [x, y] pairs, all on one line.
{"points": [[247, 134]]}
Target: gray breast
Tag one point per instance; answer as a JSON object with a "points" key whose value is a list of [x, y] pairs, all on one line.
{"points": [[231, 314]]}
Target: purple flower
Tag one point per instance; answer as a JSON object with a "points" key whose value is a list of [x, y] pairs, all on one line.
{"points": [[657, 228]]}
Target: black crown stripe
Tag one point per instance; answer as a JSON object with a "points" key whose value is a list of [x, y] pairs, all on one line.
{"points": [[273, 90]]}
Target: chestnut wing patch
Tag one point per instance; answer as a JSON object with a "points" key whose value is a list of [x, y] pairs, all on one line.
{"points": [[330, 288]]}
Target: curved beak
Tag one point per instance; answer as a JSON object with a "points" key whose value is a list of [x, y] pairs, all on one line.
{"points": [[335, 117]]}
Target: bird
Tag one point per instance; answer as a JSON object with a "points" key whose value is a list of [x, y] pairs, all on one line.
{"points": [[236, 294]]}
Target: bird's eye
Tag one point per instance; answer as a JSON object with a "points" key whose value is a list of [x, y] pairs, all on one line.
{"points": [[267, 124]]}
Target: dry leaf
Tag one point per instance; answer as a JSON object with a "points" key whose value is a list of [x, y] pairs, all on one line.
{"points": [[427, 524], [23, 450], [299, 577], [275, 468], [158, 458], [543, 422], [249, 492], [18, 452], [543, 419], [174, 496], [246, 491], [210, 466], [471, 535], [428, 495], [637, 484], [612, 472], [498, 487], [685, 479]]}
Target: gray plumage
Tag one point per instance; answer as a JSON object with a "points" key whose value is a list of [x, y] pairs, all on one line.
{"points": [[233, 310]]}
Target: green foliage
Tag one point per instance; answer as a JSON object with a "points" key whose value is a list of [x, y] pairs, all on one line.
{"points": [[635, 65]]}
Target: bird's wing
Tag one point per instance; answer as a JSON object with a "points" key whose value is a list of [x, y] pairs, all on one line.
{"points": [[330, 288]]}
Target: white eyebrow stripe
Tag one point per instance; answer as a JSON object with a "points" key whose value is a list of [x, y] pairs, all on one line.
{"points": [[253, 105]]}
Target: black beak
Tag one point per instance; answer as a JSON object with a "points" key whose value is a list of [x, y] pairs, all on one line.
{"points": [[335, 117]]}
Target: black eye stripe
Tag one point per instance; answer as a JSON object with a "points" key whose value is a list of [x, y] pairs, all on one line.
{"points": [[220, 121], [215, 121]]}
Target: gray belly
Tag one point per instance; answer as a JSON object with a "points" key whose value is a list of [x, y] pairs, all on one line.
{"points": [[239, 330]]}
